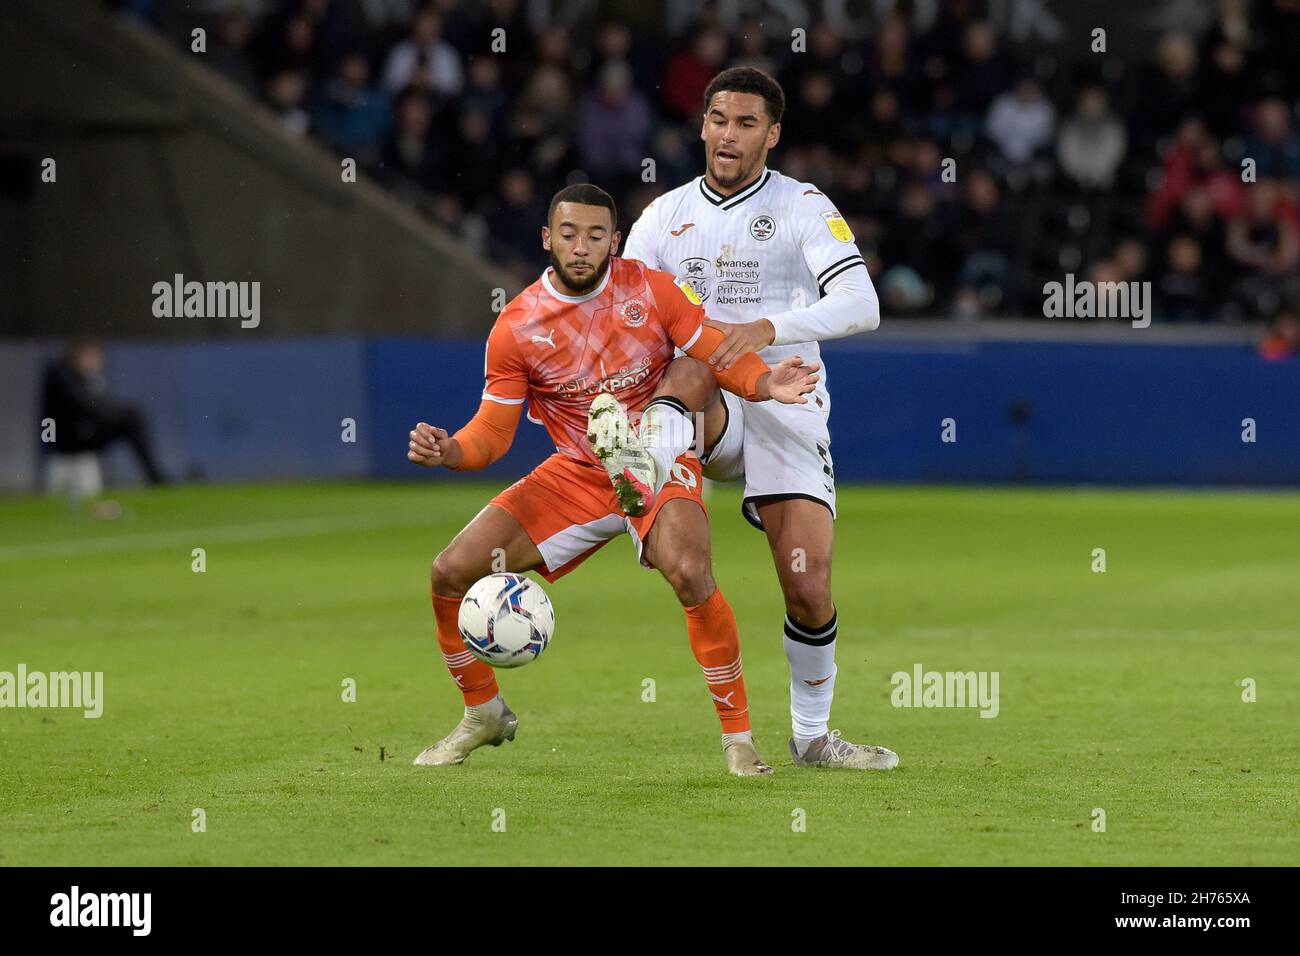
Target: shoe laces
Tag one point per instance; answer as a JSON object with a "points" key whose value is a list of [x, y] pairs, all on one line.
{"points": [[838, 746]]}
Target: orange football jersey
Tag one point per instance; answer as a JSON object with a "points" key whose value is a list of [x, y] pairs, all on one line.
{"points": [[559, 351]]}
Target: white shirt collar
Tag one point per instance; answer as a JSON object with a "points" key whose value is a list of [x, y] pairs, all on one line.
{"points": [[736, 198], [600, 287]]}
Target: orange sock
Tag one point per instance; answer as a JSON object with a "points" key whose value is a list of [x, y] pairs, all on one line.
{"points": [[711, 626], [474, 678]]}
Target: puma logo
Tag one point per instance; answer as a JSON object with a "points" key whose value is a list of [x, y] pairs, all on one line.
{"points": [[812, 192], [682, 229], [814, 683], [548, 339], [724, 701]]}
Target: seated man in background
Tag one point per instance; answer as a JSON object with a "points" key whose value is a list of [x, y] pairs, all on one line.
{"points": [[87, 420]]}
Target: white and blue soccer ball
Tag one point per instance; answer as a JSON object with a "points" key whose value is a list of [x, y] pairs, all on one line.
{"points": [[506, 620]]}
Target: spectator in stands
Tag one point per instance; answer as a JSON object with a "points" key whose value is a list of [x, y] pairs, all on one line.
{"points": [[904, 291], [229, 51], [917, 238], [1091, 144], [484, 92], [516, 224], [613, 126], [87, 419], [1130, 257], [1265, 243], [1197, 219], [752, 47], [676, 159], [616, 42], [883, 126], [425, 59], [1274, 147], [892, 62], [542, 122], [1180, 293], [289, 44], [354, 117], [286, 92], [981, 73], [411, 154], [1170, 89], [554, 49], [984, 236], [477, 158], [813, 116], [1194, 161], [689, 72], [1227, 86], [1020, 122]]}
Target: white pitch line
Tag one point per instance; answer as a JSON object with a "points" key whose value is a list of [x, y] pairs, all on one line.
{"points": [[200, 537]]}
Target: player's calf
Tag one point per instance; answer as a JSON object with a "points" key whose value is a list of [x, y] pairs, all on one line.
{"points": [[468, 557], [678, 545]]}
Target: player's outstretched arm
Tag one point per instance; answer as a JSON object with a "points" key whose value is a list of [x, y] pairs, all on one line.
{"points": [[750, 377], [848, 306], [487, 436]]}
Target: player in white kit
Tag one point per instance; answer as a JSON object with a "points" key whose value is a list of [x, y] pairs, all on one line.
{"points": [[777, 269]]}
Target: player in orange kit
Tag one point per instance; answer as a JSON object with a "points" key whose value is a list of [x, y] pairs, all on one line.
{"points": [[592, 339]]}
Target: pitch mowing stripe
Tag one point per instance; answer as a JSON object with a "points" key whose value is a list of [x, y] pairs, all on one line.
{"points": [[197, 537]]}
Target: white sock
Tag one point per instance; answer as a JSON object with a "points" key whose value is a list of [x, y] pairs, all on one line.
{"points": [[746, 735], [811, 653], [667, 432]]}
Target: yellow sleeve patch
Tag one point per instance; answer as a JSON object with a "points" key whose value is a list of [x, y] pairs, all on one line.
{"points": [[689, 292], [838, 227]]}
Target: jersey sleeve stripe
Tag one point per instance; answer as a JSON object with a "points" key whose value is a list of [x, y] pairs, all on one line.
{"points": [[504, 401], [839, 272], [691, 340], [833, 265]]}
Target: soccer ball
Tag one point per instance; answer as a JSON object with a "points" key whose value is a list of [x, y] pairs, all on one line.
{"points": [[506, 620]]}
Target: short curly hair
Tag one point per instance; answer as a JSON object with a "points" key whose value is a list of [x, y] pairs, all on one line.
{"points": [[747, 79], [584, 194]]}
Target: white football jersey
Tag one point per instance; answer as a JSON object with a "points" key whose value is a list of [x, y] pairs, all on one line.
{"points": [[772, 250]]}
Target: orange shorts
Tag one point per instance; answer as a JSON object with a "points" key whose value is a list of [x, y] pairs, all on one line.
{"points": [[568, 509]]}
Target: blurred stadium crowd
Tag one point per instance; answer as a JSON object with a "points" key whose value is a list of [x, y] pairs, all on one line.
{"points": [[1109, 169]]}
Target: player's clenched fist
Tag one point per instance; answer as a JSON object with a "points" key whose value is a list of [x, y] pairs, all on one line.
{"points": [[431, 446]]}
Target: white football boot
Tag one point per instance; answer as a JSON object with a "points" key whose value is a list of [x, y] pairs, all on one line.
{"points": [[492, 723], [832, 750], [618, 447], [742, 759]]}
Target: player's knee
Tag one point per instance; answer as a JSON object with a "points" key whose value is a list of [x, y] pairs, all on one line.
{"points": [[447, 575], [691, 576], [689, 380], [808, 599]]}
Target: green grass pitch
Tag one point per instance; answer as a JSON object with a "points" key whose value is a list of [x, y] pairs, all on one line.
{"points": [[223, 690]]}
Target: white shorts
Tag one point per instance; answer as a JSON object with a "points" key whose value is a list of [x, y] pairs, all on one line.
{"points": [[782, 451]]}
